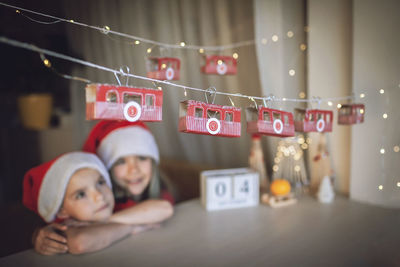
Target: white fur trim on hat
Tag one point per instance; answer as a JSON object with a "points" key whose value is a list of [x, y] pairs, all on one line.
{"points": [[55, 181], [126, 141]]}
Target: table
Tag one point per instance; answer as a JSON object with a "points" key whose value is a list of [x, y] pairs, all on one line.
{"points": [[309, 233]]}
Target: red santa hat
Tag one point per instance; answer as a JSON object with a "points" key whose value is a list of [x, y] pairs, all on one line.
{"points": [[44, 186], [111, 140]]}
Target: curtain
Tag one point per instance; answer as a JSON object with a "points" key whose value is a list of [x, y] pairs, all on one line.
{"points": [[194, 22]]}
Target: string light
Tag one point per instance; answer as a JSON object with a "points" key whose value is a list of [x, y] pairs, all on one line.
{"points": [[292, 72], [275, 38], [137, 42], [235, 55], [297, 168], [96, 66], [330, 103], [339, 105], [107, 30], [303, 47], [382, 151], [398, 184], [396, 149], [302, 95], [148, 50], [381, 91], [380, 187], [362, 95], [201, 50], [384, 115]]}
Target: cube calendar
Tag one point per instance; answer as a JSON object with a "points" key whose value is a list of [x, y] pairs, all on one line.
{"points": [[229, 188]]}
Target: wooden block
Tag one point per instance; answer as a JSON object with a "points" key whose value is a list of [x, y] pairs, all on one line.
{"points": [[278, 201]]}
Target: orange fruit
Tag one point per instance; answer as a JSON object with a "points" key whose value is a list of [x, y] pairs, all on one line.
{"points": [[280, 187]]}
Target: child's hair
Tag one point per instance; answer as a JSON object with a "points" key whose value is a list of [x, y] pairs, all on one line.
{"points": [[44, 186]]}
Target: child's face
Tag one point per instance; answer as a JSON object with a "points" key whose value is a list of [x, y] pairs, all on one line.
{"points": [[87, 198], [133, 173]]}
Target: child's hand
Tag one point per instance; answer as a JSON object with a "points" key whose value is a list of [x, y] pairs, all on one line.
{"points": [[49, 240], [145, 227]]}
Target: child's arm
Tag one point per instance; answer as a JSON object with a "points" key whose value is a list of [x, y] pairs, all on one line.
{"points": [[47, 241], [149, 211], [96, 236]]}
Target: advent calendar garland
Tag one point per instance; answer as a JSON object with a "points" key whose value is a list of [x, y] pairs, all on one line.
{"points": [[132, 104]]}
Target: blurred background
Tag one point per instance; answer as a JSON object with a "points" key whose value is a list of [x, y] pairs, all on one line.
{"points": [[302, 49]]}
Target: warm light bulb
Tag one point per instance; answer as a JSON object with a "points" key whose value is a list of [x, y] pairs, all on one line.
{"points": [[302, 95], [300, 140], [297, 168], [290, 34], [148, 50], [396, 149], [362, 95], [163, 66], [235, 55], [219, 62], [385, 115], [275, 38], [264, 41], [71, 20], [382, 151], [17, 11], [47, 63], [398, 184], [182, 44], [292, 72], [303, 47], [159, 88], [137, 42], [304, 146], [361, 111], [275, 168], [380, 187], [201, 50], [284, 99], [339, 105], [330, 103], [381, 91], [277, 160]]}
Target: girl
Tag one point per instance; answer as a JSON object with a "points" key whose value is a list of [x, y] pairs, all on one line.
{"points": [[130, 153]]}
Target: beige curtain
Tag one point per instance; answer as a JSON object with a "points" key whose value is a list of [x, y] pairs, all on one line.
{"points": [[279, 31], [194, 22]]}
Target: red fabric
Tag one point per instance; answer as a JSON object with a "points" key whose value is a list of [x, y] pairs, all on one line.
{"points": [[32, 183], [102, 129], [130, 203]]}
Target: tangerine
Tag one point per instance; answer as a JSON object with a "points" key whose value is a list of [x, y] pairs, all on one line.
{"points": [[280, 187]]}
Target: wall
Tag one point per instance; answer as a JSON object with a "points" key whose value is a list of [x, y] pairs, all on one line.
{"points": [[376, 65]]}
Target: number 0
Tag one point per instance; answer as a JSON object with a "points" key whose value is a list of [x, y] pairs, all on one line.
{"points": [[220, 189]]}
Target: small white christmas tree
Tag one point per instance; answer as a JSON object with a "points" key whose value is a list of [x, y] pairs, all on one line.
{"points": [[325, 193]]}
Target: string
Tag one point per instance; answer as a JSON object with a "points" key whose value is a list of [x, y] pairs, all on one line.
{"points": [[107, 30], [184, 87]]}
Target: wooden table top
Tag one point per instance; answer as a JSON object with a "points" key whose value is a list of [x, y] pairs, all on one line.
{"points": [[309, 233]]}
